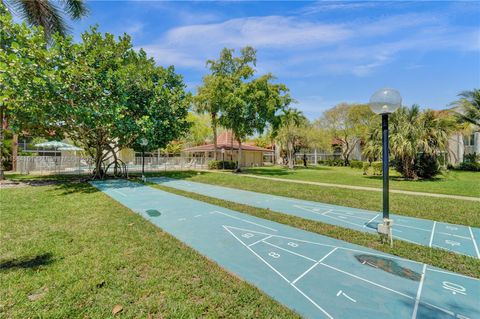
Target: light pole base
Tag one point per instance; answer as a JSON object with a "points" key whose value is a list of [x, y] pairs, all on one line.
{"points": [[385, 231]]}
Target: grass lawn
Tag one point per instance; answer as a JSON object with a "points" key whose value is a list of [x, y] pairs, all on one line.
{"points": [[451, 182], [440, 209], [69, 251], [435, 257]]}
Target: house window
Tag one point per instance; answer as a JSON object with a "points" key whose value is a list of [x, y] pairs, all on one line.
{"points": [[469, 140]]}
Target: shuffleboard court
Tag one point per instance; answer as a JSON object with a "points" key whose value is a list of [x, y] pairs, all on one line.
{"points": [[456, 238], [317, 276]]}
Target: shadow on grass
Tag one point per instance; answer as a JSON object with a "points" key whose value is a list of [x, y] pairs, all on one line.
{"points": [[75, 188], [27, 262], [172, 174]]}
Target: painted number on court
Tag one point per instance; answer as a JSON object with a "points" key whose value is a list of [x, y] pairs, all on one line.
{"points": [[274, 254], [454, 288], [248, 235], [291, 244], [451, 242]]}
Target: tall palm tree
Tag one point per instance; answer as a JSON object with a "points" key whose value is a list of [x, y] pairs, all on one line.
{"points": [[469, 104], [47, 13], [290, 121]]}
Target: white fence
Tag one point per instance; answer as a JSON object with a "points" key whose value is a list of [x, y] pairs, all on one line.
{"points": [[81, 165]]}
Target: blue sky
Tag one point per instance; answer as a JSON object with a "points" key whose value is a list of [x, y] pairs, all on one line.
{"points": [[326, 52]]}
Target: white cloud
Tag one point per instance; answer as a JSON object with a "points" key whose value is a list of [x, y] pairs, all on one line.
{"points": [[296, 47]]}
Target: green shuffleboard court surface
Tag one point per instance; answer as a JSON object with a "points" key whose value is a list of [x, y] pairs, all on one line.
{"points": [[317, 276], [456, 238]]}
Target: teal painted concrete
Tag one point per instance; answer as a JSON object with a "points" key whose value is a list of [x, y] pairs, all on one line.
{"points": [[317, 276], [457, 238]]}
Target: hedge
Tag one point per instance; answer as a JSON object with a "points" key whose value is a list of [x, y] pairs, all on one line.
{"points": [[222, 165]]}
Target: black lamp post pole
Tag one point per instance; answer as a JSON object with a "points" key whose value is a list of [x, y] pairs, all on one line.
{"points": [[385, 165]]}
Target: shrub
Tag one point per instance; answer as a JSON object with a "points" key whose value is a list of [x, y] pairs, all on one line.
{"points": [[222, 164], [426, 166], [469, 166], [377, 168], [365, 167], [356, 164]]}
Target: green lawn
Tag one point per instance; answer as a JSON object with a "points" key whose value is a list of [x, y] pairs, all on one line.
{"points": [[440, 209], [451, 182], [436, 257], [69, 251]]}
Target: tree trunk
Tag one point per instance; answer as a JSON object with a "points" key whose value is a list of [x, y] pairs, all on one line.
{"points": [[290, 156], [14, 152], [2, 122], [231, 148], [239, 155], [214, 128]]}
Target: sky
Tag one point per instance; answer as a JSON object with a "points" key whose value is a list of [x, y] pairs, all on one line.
{"points": [[325, 52]]}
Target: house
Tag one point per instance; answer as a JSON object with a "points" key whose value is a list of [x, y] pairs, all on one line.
{"points": [[228, 150]]}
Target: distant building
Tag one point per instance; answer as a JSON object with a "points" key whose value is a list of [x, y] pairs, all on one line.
{"points": [[228, 149]]}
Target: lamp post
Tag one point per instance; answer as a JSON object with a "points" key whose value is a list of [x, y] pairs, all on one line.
{"points": [[384, 102], [143, 143], [223, 158]]}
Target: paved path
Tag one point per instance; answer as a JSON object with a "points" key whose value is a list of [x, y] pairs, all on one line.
{"points": [[363, 188], [316, 276], [456, 238]]}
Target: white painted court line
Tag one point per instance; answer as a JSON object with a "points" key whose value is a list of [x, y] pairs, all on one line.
{"points": [[474, 242], [244, 220], [253, 252], [419, 292], [119, 192], [449, 273], [278, 273], [313, 302], [366, 280], [289, 251], [314, 265], [433, 232], [453, 235], [259, 241], [371, 220]]}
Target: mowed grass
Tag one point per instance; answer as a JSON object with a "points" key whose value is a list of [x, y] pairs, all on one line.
{"points": [[69, 251], [450, 182], [436, 257], [440, 209]]}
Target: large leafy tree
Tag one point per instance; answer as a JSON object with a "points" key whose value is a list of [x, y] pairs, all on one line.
{"points": [[216, 94], [254, 106], [107, 96], [348, 124], [50, 15], [25, 72]]}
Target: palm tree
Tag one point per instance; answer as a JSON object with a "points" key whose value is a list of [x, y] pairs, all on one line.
{"points": [[414, 132], [469, 105], [48, 14], [290, 122]]}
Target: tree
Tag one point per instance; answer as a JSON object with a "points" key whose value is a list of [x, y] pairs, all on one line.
{"points": [[416, 139], [348, 123], [291, 132], [469, 107], [48, 14], [24, 74], [254, 106], [216, 92], [200, 130], [107, 96]]}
